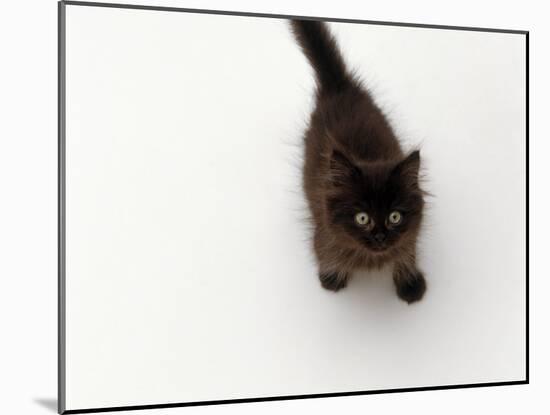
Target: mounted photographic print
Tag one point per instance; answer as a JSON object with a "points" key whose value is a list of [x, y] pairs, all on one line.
{"points": [[258, 207]]}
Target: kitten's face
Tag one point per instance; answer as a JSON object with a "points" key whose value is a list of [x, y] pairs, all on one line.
{"points": [[377, 205]]}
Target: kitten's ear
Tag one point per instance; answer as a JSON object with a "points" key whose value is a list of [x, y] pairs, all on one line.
{"points": [[408, 168], [342, 170]]}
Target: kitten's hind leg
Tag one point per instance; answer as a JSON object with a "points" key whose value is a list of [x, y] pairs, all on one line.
{"points": [[333, 281], [409, 282]]}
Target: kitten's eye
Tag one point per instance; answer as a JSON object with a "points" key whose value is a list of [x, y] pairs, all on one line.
{"points": [[362, 218], [394, 218]]}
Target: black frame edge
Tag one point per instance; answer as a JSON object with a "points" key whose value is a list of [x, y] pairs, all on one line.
{"points": [[285, 16], [61, 404], [527, 207], [291, 397]]}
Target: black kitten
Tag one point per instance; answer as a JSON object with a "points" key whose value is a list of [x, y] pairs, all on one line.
{"points": [[363, 191]]}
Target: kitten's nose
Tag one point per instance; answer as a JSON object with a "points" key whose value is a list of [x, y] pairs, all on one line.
{"points": [[380, 237]]}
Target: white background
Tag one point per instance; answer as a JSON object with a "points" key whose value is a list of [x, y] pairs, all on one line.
{"points": [[28, 177], [189, 274]]}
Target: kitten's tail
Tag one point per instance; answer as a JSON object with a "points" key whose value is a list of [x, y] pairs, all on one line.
{"points": [[323, 54]]}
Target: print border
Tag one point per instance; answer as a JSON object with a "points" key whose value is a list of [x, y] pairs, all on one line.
{"points": [[61, 210]]}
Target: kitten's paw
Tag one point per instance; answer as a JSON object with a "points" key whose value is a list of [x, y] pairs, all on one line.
{"points": [[411, 288], [333, 281]]}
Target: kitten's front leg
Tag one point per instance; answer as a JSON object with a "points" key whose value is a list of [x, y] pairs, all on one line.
{"points": [[333, 281], [409, 282]]}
